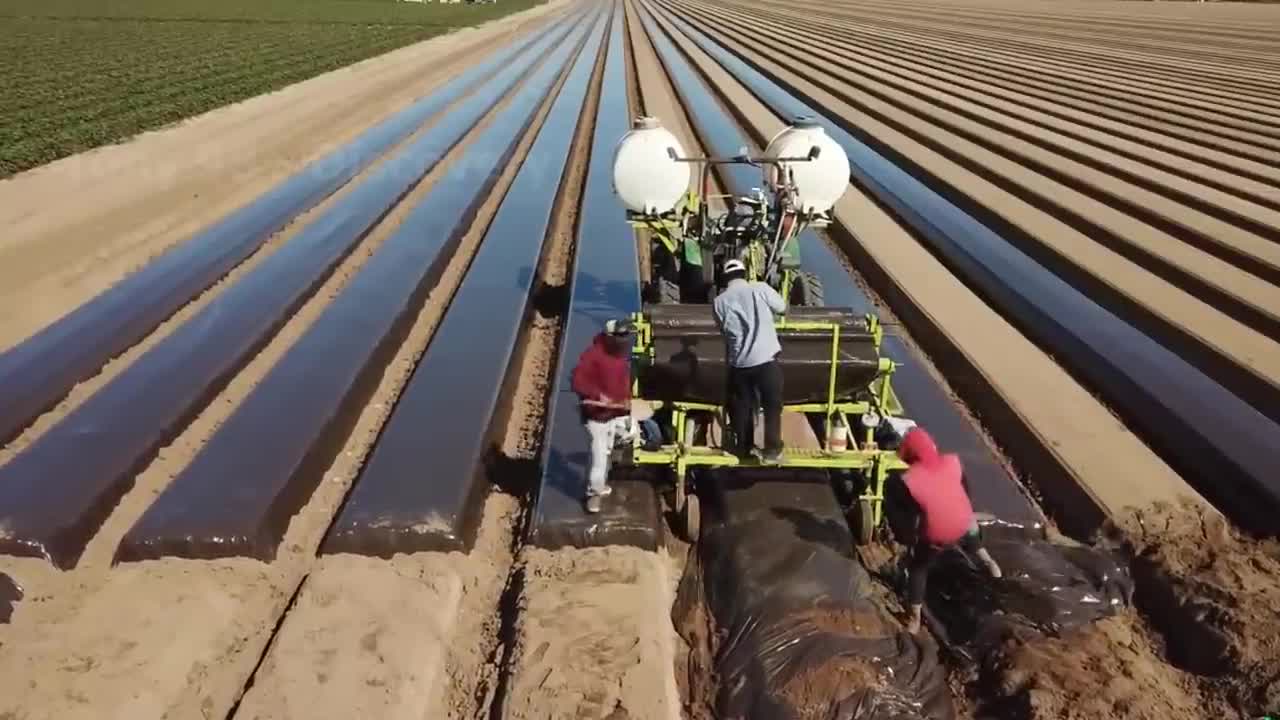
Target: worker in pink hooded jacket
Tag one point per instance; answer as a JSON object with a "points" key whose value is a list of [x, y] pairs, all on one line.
{"points": [[936, 483]]}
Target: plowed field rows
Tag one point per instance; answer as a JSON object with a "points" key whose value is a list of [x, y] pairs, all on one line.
{"points": [[290, 435]]}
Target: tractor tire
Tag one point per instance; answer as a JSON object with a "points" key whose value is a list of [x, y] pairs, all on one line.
{"points": [[691, 519], [861, 517], [806, 290], [693, 289]]}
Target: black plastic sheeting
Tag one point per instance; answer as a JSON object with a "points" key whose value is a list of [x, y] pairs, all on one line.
{"points": [[437, 453], [1216, 439], [1047, 587], [57, 491], [40, 371], [689, 363], [605, 284], [925, 401], [10, 594], [789, 599], [239, 493]]}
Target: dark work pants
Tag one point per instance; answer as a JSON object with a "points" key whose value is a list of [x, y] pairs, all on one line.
{"points": [[745, 386], [922, 557]]}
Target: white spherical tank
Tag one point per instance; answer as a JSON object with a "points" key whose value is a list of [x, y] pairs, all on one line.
{"points": [[645, 176], [819, 182]]}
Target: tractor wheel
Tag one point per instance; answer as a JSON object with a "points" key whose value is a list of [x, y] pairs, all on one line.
{"points": [[863, 524], [691, 518], [693, 289], [806, 290]]}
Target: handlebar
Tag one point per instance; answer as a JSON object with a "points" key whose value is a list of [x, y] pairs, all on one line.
{"points": [[744, 159]]}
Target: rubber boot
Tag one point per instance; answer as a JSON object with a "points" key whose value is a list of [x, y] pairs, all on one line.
{"points": [[990, 562]]}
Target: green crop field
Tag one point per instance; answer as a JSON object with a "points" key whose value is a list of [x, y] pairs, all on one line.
{"points": [[76, 74]]}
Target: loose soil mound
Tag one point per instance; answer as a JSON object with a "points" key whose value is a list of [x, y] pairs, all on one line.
{"points": [[593, 639], [811, 691], [1107, 670], [850, 686], [1215, 595]]}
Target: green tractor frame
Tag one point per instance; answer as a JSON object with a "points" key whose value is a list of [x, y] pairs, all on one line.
{"points": [[690, 445], [689, 246]]}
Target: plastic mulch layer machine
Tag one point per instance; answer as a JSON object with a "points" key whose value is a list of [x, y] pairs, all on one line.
{"points": [[833, 374]]}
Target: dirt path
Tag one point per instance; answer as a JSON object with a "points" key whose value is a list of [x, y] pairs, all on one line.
{"points": [[78, 225]]}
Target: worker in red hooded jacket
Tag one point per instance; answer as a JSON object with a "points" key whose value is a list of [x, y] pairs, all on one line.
{"points": [[945, 516], [602, 381]]}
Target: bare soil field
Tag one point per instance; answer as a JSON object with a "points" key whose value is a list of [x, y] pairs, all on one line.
{"points": [[1069, 212]]}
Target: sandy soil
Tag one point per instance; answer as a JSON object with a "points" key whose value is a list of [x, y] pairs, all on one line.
{"points": [[595, 638], [135, 199], [1213, 594], [473, 661], [139, 642], [1083, 438], [811, 691], [1202, 641], [366, 638], [1108, 670]]}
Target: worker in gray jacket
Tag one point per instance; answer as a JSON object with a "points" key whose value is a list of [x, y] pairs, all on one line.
{"points": [[744, 313]]}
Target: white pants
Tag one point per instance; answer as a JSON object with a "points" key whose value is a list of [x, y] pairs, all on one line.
{"points": [[605, 436]]}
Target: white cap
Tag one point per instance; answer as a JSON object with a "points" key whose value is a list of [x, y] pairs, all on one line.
{"points": [[735, 265], [900, 425], [619, 327]]}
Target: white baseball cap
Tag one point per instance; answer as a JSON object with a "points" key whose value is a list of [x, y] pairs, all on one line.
{"points": [[620, 328], [735, 265]]}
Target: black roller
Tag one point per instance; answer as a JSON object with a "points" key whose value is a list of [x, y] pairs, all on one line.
{"points": [[689, 356]]}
